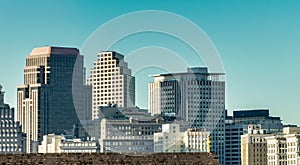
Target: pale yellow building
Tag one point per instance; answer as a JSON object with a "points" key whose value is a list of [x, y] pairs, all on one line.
{"points": [[254, 146]]}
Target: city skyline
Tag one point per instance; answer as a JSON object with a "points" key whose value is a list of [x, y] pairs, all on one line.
{"points": [[258, 46]]}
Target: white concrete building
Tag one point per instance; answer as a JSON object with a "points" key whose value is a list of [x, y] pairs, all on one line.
{"points": [[50, 144], [293, 149], [59, 144], [128, 136], [111, 82], [195, 96], [284, 149], [277, 148], [78, 146], [171, 139]]}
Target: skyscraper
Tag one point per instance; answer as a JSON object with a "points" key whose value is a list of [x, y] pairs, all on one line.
{"points": [[45, 101], [195, 96], [111, 82], [12, 140]]}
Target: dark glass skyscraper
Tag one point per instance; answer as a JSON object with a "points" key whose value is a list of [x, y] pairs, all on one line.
{"points": [[45, 101]]}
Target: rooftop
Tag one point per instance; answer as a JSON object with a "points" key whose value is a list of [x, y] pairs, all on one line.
{"points": [[193, 70], [251, 113], [54, 50]]}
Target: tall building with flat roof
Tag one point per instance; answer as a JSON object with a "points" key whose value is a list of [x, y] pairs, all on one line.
{"points": [[46, 105], [111, 82], [12, 139], [195, 96]]}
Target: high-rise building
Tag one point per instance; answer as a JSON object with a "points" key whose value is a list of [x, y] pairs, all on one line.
{"points": [[52, 76], [195, 96], [111, 82], [254, 146], [237, 125], [12, 140]]}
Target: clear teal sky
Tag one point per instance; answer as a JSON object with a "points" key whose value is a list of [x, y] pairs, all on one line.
{"points": [[258, 41]]}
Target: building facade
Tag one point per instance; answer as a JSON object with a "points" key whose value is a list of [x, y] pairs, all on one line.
{"points": [[197, 140], [237, 125], [254, 146], [51, 144], [284, 148], [12, 139], [276, 154], [196, 96], [52, 76], [60, 144], [172, 139], [111, 82], [128, 135]]}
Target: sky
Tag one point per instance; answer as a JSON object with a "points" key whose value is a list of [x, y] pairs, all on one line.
{"points": [[258, 42]]}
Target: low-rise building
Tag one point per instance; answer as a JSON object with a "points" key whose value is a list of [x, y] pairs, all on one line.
{"points": [[276, 154], [197, 140], [254, 146], [51, 144], [78, 146], [172, 139], [127, 136], [284, 148], [61, 144]]}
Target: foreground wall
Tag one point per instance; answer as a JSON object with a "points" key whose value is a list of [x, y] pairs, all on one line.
{"points": [[112, 158]]}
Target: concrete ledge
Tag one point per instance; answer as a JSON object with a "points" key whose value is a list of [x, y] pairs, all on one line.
{"points": [[111, 158]]}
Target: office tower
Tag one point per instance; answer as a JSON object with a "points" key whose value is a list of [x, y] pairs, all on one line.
{"points": [[254, 146], [12, 140], [196, 96], [237, 125], [284, 148], [111, 82], [45, 102]]}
